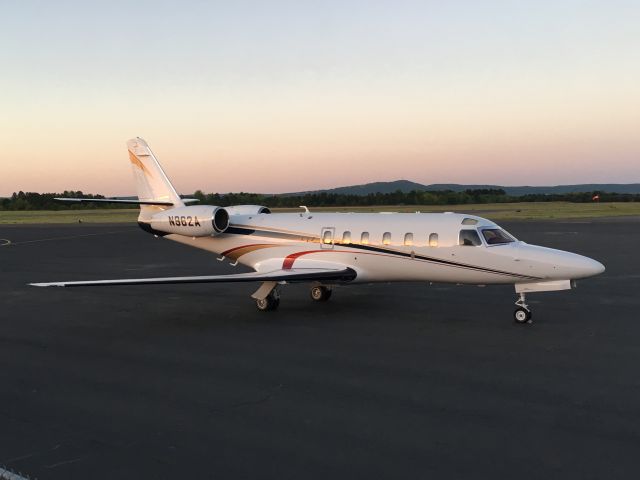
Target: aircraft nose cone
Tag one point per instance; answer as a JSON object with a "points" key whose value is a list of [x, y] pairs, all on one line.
{"points": [[596, 268], [587, 267], [558, 264]]}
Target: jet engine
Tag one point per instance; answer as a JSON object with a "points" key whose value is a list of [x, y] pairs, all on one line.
{"points": [[192, 221], [247, 209]]}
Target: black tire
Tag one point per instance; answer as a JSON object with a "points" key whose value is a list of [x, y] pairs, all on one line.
{"points": [[263, 304], [270, 302], [275, 303], [320, 294], [522, 315]]}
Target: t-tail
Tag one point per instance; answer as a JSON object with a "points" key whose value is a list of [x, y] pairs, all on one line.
{"points": [[152, 185], [162, 211], [154, 190]]}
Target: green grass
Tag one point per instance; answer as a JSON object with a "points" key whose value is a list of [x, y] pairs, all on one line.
{"points": [[506, 211], [69, 216], [493, 211]]}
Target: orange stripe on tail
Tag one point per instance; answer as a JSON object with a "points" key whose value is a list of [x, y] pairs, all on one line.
{"points": [[136, 161]]}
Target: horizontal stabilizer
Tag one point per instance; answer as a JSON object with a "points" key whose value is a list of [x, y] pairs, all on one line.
{"points": [[293, 275], [111, 200]]}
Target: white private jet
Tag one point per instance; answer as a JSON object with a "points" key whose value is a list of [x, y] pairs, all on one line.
{"points": [[327, 249]]}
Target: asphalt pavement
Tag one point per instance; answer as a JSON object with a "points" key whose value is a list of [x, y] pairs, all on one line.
{"points": [[382, 381]]}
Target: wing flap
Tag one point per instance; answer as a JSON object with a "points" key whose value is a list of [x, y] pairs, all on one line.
{"points": [[293, 275]]}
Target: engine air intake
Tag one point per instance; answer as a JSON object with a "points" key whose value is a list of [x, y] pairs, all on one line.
{"points": [[220, 220]]}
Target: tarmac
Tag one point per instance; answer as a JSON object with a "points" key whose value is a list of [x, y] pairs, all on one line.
{"points": [[382, 381]]}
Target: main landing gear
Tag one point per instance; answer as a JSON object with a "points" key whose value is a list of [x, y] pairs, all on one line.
{"points": [[268, 298], [320, 293], [522, 314], [270, 302]]}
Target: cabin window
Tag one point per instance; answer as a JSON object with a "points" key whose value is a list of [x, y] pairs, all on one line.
{"points": [[433, 240], [386, 238], [469, 238], [346, 238], [364, 238], [496, 236], [408, 239], [327, 237]]}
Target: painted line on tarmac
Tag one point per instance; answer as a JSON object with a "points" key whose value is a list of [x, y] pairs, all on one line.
{"points": [[69, 237], [64, 462]]}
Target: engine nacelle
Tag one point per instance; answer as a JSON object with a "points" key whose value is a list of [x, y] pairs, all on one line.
{"points": [[246, 209], [193, 221]]}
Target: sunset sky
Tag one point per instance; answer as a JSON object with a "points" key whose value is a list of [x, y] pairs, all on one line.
{"points": [[287, 96]]}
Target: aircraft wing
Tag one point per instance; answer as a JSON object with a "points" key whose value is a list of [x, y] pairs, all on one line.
{"points": [[292, 275]]}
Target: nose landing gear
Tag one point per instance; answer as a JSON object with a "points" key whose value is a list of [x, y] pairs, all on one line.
{"points": [[522, 314]]}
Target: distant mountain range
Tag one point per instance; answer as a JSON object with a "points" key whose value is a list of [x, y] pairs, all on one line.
{"points": [[407, 186]]}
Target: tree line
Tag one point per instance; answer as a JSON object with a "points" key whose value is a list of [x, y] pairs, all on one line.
{"points": [[45, 201], [415, 197]]}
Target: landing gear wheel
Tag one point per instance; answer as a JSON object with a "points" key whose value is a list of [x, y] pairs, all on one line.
{"points": [[270, 302], [320, 293], [522, 315]]}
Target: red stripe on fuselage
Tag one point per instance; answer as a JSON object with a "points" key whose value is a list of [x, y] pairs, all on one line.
{"points": [[227, 252], [287, 264]]}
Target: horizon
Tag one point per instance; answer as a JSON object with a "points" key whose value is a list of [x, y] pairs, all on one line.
{"points": [[207, 192], [290, 97]]}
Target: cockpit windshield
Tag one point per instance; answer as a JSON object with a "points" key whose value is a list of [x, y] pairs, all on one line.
{"points": [[496, 236]]}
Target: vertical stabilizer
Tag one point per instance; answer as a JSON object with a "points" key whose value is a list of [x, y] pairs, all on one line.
{"points": [[152, 183]]}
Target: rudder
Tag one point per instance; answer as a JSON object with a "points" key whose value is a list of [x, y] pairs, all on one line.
{"points": [[151, 182]]}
